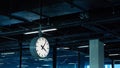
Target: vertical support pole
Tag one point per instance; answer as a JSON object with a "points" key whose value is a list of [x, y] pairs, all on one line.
{"points": [[113, 62], [78, 59], [20, 45], [81, 61], [54, 56], [75, 65], [96, 53]]}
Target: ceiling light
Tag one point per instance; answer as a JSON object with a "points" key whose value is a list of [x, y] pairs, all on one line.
{"points": [[1, 63], [58, 48], [104, 44], [66, 48], [3, 56], [43, 31], [41, 59], [33, 32], [47, 30], [117, 60], [46, 65], [38, 67], [71, 63], [24, 66], [86, 46], [8, 53], [48, 59], [87, 56], [114, 54], [83, 46]]}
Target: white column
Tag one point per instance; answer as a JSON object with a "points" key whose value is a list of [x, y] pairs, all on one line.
{"points": [[96, 50]]}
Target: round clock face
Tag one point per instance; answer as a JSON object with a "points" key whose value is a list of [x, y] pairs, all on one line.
{"points": [[39, 47], [42, 47]]}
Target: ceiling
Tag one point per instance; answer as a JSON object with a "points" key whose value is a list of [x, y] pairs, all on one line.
{"points": [[77, 22]]}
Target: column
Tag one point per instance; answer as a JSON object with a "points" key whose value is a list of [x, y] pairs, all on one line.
{"points": [[20, 45], [81, 60], [96, 49], [78, 59], [54, 57], [113, 63]]}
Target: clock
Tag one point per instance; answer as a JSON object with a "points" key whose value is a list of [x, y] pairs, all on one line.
{"points": [[39, 47]]}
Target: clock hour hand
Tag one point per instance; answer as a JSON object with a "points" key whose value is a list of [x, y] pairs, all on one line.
{"points": [[43, 48]]}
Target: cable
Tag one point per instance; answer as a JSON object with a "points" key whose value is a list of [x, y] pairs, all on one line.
{"points": [[40, 27]]}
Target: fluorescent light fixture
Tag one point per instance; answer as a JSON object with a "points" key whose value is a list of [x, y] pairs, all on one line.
{"points": [[8, 53], [24, 58], [43, 31], [3, 56], [63, 48], [24, 66], [1, 63], [83, 46], [47, 30], [58, 48], [34, 32], [38, 67], [48, 59], [104, 44], [41, 59], [66, 48], [116, 60], [86, 46], [45, 65], [71, 63], [114, 54], [87, 56]]}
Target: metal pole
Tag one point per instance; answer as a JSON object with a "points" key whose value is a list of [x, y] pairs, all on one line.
{"points": [[113, 63], [54, 56], [78, 59], [20, 63]]}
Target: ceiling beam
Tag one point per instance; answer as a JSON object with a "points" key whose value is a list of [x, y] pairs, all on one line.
{"points": [[38, 13], [9, 38], [110, 31], [71, 2], [15, 17]]}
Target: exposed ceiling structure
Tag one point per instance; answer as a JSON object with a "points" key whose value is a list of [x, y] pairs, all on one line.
{"points": [[77, 21]]}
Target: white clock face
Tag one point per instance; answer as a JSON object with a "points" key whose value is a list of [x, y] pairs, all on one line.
{"points": [[42, 47]]}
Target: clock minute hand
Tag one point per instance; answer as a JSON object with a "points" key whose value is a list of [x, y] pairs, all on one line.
{"points": [[44, 49], [44, 43]]}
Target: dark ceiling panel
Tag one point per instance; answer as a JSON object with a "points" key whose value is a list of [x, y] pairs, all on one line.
{"points": [[75, 27]]}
